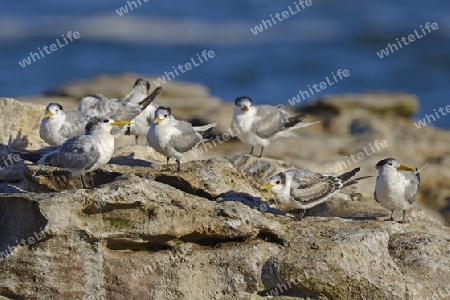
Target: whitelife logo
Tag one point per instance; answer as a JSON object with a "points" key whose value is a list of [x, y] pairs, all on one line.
{"points": [[187, 66], [281, 17], [411, 38], [53, 47], [302, 95]]}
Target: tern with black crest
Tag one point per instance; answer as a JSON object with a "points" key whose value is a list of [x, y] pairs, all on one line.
{"points": [[259, 125], [172, 137], [396, 186], [80, 154], [58, 125]]}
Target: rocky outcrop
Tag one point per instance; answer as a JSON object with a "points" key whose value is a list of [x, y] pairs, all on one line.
{"points": [[205, 233], [348, 138], [208, 232], [348, 113]]}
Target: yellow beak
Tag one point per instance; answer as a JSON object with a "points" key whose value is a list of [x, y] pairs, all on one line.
{"points": [[405, 168], [48, 114], [120, 122], [267, 186], [245, 108], [157, 120]]}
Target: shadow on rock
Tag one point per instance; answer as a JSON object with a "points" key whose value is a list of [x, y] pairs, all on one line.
{"points": [[21, 222], [248, 200]]}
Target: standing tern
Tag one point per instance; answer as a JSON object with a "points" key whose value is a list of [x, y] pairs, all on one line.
{"points": [[80, 154], [172, 137], [57, 125], [259, 125], [396, 186], [141, 123]]}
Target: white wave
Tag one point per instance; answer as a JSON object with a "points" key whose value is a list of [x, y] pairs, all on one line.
{"points": [[138, 29]]}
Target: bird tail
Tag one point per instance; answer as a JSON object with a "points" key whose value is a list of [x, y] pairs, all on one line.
{"points": [[417, 172], [292, 121], [200, 129], [296, 122], [345, 178], [206, 130], [33, 156], [149, 99], [356, 180]]}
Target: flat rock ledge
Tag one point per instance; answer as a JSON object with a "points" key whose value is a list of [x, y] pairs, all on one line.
{"points": [[207, 233]]}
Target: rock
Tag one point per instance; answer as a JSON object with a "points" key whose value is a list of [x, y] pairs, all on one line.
{"points": [[339, 113], [19, 124], [174, 236], [213, 179], [348, 139]]}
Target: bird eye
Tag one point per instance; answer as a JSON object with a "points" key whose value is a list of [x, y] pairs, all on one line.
{"points": [[105, 121], [390, 164], [278, 182], [165, 116]]}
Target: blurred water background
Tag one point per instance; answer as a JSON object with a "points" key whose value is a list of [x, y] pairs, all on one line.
{"points": [[271, 67]]}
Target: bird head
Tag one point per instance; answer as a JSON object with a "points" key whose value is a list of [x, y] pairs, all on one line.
{"points": [[103, 123], [277, 183], [243, 103], [142, 86], [391, 164], [162, 115], [53, 110]]}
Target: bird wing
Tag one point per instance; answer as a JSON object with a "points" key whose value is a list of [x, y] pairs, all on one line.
{"points": [[269, 121], [75, 124], [79, 153], [312, 186], [95, 105], [412, 185], [187, 139], [375, 196], [100, 106], [128, 111]]}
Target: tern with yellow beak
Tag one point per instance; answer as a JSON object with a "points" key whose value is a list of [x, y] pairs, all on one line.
{"points": [[58, 125], [259, 125], [172, 137], [304, 189], [80, 154], [396, 186]]}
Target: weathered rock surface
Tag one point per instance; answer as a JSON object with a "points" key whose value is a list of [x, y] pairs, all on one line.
{"points": [[208, 232], [204, 234], [316, 148], [343, 112]]}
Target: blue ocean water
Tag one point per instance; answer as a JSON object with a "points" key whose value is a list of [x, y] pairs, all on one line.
{"points": [[271, 67]]}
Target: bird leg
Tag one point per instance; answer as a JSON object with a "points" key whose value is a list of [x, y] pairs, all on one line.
{"points": [[301, 215], [403, 220], [251, 151], [82, 181], [392, 216], [178, 164], [136, 139], [167, 164], [92, 181], [262, 149]]}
